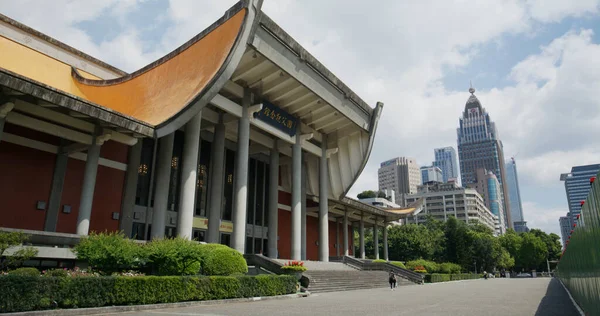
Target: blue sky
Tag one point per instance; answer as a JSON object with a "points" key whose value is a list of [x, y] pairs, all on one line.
{"points": [[534, 64]]}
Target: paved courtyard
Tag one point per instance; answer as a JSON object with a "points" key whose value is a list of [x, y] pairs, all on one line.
{"points": [[540, 297]]}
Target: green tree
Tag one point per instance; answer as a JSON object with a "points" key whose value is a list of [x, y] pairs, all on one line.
{"points": [[109, 252], [511, 241], [505, 261], [16, 258], [533, 252], [458, 243], [410, 242], [366, 194]]}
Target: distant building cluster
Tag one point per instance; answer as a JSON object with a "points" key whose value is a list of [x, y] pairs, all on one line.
{"points": [[485, 191]]}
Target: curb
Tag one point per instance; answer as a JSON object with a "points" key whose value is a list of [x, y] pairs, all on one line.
{"points": [[571, 297], [136, 308]]}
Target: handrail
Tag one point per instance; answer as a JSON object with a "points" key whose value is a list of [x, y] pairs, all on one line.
{"points": [[384, 266], [273, 266]]}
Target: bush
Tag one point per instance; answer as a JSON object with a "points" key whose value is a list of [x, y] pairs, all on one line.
{"points": [[109, 252], [379, 261], [398, 264], [438, 277], [60, 273], [222, 260], [25, 293], [174, 256], [294, 266], [449, 268], [25, 272], [430, 266]]}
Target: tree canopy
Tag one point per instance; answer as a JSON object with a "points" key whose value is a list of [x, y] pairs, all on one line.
{"points": [[371, 194]]}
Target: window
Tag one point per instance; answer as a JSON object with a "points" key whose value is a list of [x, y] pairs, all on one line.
{"points": [[251, 192], [174, 183], [144, 172], [226, 239], [260, 189], [228, 186], [198, 235], [202, 184], [137, 231]]}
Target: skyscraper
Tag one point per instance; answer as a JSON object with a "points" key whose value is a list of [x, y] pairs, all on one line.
{"points": [[487, 185], [514, 196], [480, 147], [565, 228], [431, 173], [577, 186], [445, 159], [401, 175]]}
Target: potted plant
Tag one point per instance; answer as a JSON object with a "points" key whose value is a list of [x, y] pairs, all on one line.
{"points": [[295, 268]]}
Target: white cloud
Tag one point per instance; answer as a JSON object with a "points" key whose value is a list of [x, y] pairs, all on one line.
{"points": [[543, 218], [556, 10]]}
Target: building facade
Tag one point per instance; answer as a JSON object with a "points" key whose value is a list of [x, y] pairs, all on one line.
{"points": [[400, 174], [431, 173], [565, 228], [231, 138], [479, 146], [488, 187], [445, 159], [514, 196], [442, 200], [577, 186]]}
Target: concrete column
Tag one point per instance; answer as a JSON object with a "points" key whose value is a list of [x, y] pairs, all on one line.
{"points": [[240, 185], [189, 177], [88, 186], [337, 237], [161, 195], [385, 242], [361, 236], [376, 240], [303, 216], [323, 205], [129, 192], [58, 182], [273, 200], [217, 170], [4, 109], [296, 198], [353, 245], [345, 230]]}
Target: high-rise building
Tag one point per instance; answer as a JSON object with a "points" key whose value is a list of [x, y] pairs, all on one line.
{"points": [[445, 159], [488, 187], [431, 173], [400, 174], [480, 147], [514, 197], [577, 186], [565, 228], [442, 200]]}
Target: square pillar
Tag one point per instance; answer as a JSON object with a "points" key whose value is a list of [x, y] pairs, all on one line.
{"points": [[4, 109], [385, 242], [161, 195], [273, 200], [361, 236], [296, 223], [240, 181], [89, 185], [129, 191], [337, 237], [323, 203], [345, 234], [303, 218], [376, 240], [189, 177], [217, 169]]}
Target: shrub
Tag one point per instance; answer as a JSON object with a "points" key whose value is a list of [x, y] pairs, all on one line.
{"points": [[398, 264], [379, 261], [24, 293], [12, 239], [109, 252], [25, 272], [294, 266], [60, 273], [174, 256], [449, 268], [222, 260], [430, 266], [437, 277]]}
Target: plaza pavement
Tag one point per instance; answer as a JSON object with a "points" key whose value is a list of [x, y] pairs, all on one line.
{"points": [[510, 297]]}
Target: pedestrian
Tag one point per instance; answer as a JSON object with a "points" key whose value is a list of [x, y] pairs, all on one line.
{"points": [[392, 280]]}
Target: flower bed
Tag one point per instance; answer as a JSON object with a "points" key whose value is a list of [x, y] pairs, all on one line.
{"points": [[294, 266], [26, 293]]}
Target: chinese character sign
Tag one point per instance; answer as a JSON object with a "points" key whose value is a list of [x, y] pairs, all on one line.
{"points": [[277, 118]]}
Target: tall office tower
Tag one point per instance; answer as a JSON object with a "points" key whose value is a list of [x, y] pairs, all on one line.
{"points": [[514, 196], [431, 173], [480, 147], [487, 185], [577, 186], [401, 175], [445, 159], [565, 228]]}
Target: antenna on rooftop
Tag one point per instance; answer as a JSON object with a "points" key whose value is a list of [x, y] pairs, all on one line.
{"points": [[471, 90]]}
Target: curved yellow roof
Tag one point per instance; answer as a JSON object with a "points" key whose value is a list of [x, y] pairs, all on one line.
{"points": [[153, 94]]}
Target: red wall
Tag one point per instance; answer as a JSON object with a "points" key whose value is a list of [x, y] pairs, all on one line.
{"points": [[284, 244], [312, 237], [26, 177]]}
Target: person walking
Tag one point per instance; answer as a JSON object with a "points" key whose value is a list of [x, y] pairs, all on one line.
{"points": [[392, 280]]}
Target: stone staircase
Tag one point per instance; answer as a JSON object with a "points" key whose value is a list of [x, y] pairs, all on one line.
{"points": [[345, 280]]}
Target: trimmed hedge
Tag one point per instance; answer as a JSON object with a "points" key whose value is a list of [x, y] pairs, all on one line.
{"points": [[219, 259], [398, 264], [439, 277], [26, 293], [430, 266], [25, 272]]}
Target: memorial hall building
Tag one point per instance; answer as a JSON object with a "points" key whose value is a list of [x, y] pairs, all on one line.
{"points": [[239, 136]]}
